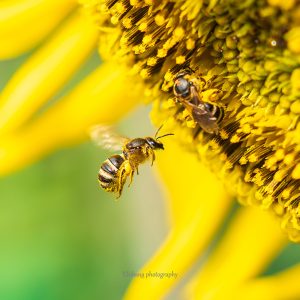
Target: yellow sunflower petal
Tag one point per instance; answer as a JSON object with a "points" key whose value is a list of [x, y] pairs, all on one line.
{"points": [[191, 187], [103, 97], [251, 242], [45, 72], [284, 285], [25, 23], [197, 198]]}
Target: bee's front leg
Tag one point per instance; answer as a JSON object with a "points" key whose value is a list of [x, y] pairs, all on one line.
{"points": [[134, 168], [152, 153]]}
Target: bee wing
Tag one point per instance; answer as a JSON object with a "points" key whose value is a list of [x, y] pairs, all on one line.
{"points": [[105, 137], [195, 96], [205, 119]]}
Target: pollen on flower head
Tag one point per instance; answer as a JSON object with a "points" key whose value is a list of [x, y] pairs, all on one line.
{"points": [[247, 56]]}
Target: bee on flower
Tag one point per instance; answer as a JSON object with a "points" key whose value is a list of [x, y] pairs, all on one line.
{"points": [[188, 90], [243, 98]]}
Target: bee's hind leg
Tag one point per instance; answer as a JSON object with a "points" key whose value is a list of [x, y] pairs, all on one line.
{"points": [[131, 177], [122, 179], [119, 191]]}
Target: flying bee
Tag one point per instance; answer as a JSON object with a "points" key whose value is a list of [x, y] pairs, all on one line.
{"points": [[116, 169], [187, 90]]}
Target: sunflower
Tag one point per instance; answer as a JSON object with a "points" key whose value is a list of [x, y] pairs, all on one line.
{"points": [[248, 56]]}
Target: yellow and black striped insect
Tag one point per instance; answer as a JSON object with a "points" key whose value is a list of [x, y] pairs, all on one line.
{"points": [[116, 169], [187, 90]]}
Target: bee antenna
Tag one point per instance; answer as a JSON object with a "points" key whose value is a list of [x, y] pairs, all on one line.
{"points": [[164, 135], [158, 130]]}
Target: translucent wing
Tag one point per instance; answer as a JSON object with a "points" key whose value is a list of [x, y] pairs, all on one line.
{"points": [[105, 137], [205, 119]]}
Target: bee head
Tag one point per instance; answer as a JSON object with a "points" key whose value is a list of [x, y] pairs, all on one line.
{"points": [[154, 144], [181, 87]]}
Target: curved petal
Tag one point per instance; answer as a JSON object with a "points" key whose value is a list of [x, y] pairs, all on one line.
{"points": [[199, 203], [23, 24], [283, 285], [45, 72], [99, 98], [250, 243]]}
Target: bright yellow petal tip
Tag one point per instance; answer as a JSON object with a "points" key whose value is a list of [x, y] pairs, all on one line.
{"points": [[45, 72], [100, 98], [25, 23]]}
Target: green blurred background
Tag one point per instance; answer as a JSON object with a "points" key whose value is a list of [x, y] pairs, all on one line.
{"points": [[63, 238]]}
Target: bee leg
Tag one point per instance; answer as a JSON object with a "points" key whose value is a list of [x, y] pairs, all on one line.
{"points": [[152, 157], [131, 177], [120, 189], [119, 193], [121, 181], [150, 153]]}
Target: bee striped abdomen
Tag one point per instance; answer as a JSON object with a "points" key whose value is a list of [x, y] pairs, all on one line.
{"points": [[108, 173], [216, 111], [219, 114]]}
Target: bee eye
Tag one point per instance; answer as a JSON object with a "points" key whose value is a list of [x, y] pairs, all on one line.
{"points": [[182, 87], [150, 142]]}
